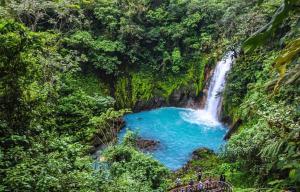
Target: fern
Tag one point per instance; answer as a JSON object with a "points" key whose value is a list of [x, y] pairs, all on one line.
{"points": [[273, 149]]}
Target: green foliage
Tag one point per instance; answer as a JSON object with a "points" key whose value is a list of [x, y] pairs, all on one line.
{"points": [[268, 30], [60, 65], [116, 39], [132, 170], [287, 56], [266, 144], [27, 118], [106, 126], [241, 76], [260, 93], [177, 60], [59, 164], [144, 86], [101, 53], [89, 83], [44, 14], [46, 116], [121, 93]]}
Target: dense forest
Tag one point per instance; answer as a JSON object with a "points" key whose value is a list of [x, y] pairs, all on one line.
{"points": [[70, 69]]}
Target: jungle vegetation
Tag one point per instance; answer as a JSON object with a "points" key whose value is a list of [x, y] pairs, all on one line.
{"points": [[71, 68]]}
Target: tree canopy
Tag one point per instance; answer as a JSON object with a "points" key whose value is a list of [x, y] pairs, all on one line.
{"points": [[70, 69]]}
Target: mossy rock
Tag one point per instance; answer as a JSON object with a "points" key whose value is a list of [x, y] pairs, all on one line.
{"points": [[202, 153]]}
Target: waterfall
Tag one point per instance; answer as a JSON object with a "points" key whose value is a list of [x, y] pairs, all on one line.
{"points": [[217, 84], [209, 115]]}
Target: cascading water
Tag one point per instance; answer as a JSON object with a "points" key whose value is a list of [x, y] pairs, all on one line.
{"points": [[209, 115], [217, 85]]}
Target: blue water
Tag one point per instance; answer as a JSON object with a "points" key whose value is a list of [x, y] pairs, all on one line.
{"points": [[178, 135]]}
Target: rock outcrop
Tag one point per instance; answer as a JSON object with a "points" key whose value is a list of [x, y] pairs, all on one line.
{"points": [[182, 97], [203, 97], [147, 144]]}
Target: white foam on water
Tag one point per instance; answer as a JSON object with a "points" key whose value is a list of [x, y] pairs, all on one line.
{"points": [[200, 117], [209, 115]]}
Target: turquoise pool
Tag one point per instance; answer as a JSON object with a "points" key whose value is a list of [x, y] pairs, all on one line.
{"points": [[180, 131]]}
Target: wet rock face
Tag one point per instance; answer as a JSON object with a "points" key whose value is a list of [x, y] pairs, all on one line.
{"points": [[208, 74], [147, 144], [152, 103], [183, 97]]}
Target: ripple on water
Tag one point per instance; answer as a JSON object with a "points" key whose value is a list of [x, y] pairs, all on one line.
{"points": [[180, 132]]}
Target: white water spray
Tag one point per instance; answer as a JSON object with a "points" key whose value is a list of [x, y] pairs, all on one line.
{"points": [[209, 115], [216, 86]]}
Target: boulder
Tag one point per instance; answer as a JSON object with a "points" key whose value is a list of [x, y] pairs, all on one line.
{"points": [[147, 144]]}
